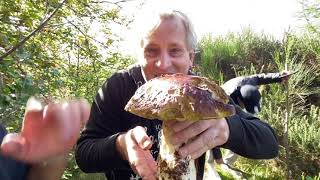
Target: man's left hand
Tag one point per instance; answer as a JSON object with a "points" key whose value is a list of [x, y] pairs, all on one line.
{"points": [[196, 137]]}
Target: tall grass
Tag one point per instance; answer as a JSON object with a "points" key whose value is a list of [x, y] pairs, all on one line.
{"points": [[235, 52], [248, 53]]}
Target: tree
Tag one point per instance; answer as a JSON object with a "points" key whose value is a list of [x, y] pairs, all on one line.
{"points": [[60, 57]]}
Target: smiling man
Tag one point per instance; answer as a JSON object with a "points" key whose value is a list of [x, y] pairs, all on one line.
{"points": [[125, 146]]}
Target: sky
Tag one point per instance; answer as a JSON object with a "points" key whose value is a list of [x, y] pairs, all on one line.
{"points": [[221, 16], [218, 17]]}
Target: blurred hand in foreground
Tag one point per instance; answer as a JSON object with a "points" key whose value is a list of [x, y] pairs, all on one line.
{"points": [[47, 131]]}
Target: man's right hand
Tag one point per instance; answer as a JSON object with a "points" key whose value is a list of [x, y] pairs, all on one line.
{"points": [[134, 146], [285, 76], [48, 131]]}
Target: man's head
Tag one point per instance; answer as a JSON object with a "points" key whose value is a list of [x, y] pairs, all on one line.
{"points": [[250, 96], [168, 45]]}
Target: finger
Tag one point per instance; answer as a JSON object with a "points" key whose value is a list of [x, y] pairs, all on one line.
{"points": [[177, 126], [85, 110], [71, 119], [151, 162], [52, 111], [199, 145], [142, 162], [34, 110], [141, 137], [191, 131], [14, 145], [147, 167], [150, 177], [33, 104]]}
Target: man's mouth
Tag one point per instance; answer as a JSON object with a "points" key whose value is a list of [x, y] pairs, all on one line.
{"points": [[161, 74]]}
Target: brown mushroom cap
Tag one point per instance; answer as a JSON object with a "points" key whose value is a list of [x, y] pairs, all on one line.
{"points": [[180, 97]]}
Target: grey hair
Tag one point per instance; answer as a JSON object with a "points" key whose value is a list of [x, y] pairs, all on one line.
{"points": [[155, 19], [190, 32]]}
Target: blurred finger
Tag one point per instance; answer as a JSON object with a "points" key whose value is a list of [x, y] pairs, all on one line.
{"points": [[71, 119], [85, 110], [52, 111], [34, 105], [14, 145], [34, 110]]}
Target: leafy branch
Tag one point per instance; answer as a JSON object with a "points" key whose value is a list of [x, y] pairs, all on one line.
{"points": [[109, 2], [86, 35], [32, 33]]}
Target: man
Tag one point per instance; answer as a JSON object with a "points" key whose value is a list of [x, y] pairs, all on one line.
{"points": [[244, 92], [125, 146], [48, 133]]}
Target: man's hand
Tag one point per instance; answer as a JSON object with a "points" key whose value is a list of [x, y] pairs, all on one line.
{"points": [[134, 147], [285, 76], [200, 136], [47, 131]]}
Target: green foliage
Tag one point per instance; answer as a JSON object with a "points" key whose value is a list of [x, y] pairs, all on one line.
{"points": [[236, 52], [294, 53], [65, 60], [73, 172], [62, 60]]}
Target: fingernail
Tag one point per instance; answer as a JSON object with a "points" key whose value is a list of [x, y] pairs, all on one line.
{"points": [[34, 104], [146, 144]]}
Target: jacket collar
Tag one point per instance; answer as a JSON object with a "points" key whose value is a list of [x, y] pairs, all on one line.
{"points": [[135, 71]]}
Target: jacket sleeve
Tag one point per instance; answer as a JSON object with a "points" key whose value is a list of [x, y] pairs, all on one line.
{"points": [[95, 150], [264, 78], [251, 137]]}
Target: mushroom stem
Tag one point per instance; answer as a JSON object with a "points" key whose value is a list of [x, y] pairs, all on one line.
{"points": [[170, 165]]}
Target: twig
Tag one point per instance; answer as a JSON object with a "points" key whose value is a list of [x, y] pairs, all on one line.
{"points": [[32, 33], [286, 127], [87, 36], [109, 2]]}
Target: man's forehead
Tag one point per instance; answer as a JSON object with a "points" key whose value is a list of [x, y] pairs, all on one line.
{"points": [[152, 44], [169, 25]]}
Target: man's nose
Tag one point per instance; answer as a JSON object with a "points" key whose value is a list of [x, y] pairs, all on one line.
{"points": [[164, 61]]}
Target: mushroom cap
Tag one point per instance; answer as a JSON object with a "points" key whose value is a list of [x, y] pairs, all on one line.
{"points": [[180, 97]]}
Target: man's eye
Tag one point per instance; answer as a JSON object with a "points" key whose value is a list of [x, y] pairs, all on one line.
{"points": [[151, 52], [175, 52]]}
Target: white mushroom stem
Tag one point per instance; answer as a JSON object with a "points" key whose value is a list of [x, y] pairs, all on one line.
{"points": [[170, 165]]}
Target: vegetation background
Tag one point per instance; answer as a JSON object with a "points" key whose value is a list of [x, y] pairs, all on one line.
{"points": [[48, 49]]}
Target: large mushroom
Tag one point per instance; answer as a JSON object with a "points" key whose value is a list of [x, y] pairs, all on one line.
{"points": [[183, 98]]}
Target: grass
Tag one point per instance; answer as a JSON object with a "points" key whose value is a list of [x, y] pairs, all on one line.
{"points": [[250, 53]]}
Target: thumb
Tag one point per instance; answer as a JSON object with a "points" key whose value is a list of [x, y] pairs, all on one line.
{"points": [[141, 137], [13, 145]]}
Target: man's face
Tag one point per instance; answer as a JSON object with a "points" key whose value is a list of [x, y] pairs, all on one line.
{"points": [[165, 50]]}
